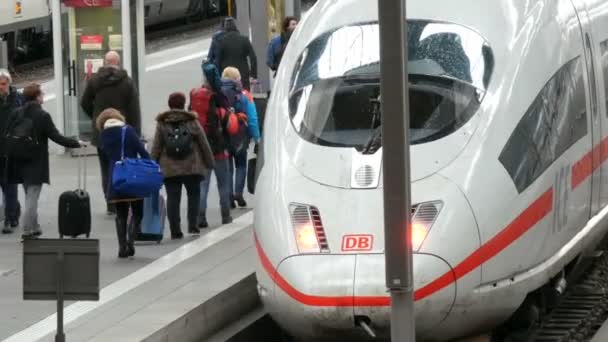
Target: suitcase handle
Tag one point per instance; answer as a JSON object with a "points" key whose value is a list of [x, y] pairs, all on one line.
{"points": [[82, 159]]}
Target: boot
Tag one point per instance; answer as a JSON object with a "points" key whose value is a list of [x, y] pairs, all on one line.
{"points": [[240, 200], [202, 220], [121, 232], [176, 230], [131, 238], [226, 217], [110, 209]]}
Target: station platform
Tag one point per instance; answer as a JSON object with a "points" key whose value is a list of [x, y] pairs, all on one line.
{"points": [[166, 287], [602, 334]]}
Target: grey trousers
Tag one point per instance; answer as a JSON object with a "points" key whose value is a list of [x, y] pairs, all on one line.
{"points": [[30, 216]]}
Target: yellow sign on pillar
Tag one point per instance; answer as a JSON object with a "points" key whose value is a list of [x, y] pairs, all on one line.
{"points": [[18, 8]]}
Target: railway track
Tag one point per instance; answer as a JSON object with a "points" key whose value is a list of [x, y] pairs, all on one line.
{"points": [[581, 311], [575, 316]]}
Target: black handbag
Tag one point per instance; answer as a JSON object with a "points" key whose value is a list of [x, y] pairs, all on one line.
{"points": [[251, 168]]}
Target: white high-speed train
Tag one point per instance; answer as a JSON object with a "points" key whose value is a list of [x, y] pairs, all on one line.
{"points": [[509, 138]]}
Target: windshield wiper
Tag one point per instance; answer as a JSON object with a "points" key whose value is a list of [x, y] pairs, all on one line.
{"points": [[374, 143]]}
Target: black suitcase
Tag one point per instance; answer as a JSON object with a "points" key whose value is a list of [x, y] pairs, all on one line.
{"points": [[75, 207]]}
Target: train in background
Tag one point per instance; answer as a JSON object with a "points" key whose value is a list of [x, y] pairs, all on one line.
{"points": [[25, 26], [509, 151]]}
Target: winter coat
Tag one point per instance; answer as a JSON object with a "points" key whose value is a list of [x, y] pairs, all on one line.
{"points": [[236, 51], [198, 163], [110, 144], [8, 106], [246, 106], [111, 87], [211, 122], [36, 170], [214, 47], [275, 51]]}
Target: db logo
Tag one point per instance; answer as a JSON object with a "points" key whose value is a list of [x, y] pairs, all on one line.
{"points": [[357, 243]]}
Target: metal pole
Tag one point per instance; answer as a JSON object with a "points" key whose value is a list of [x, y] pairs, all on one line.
{"points": [[396, 170], [58, 61], [259, 38], [297, 9], [60, 337], [125, 16]]}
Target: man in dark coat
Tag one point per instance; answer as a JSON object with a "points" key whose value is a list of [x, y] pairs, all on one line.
{"points": [[235, 50], [216, 39], [35, 171], [10, 101], [111, 87]]}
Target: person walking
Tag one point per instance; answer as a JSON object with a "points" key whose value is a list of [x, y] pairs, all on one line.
{"points": [[111, 87], [10, 101], [35, 171], [277, 45], [216, 39], [211, 107], [112, 125], [236, 50], [181, 148], [243, 103]]}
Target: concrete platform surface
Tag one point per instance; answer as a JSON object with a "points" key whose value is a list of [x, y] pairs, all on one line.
{"points": [[16, 314], [174, 69]]}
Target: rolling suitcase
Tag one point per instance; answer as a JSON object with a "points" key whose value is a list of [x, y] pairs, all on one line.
{"points": [[153, 222], [75, 206]]}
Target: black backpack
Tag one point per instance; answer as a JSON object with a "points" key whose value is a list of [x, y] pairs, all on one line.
{"points": [[178, 142], [20, 140]]}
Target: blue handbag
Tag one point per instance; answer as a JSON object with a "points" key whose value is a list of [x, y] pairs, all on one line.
{"points": [[135, 177]]}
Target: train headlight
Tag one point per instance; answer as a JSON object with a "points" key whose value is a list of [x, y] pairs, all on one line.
{"points": [[423, 217], [308, 229]]}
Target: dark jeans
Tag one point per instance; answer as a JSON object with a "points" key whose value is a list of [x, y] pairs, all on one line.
{"points": [[104, 164], [237, 182], [11, 202], [173, 186]]}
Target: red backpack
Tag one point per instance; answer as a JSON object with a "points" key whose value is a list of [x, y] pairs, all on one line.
{"points": [[200, 102]]}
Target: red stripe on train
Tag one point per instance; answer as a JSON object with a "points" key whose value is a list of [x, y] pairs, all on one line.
{"points": [[590, 162]]}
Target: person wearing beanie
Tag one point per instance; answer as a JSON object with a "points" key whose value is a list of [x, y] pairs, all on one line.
{"points": [[181, 148], [236, 50]]}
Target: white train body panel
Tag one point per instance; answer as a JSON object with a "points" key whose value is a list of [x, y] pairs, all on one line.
{"points": [[522, 183], [32, 13]]}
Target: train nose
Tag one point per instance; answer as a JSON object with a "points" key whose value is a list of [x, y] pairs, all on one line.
{"points": [[322, 295]]}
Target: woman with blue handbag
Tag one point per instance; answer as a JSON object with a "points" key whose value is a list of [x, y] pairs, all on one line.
{"points": [[120, 142]]}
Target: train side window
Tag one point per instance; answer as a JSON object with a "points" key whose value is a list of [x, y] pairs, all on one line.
{"points": [[555, 121], [604, 57]]}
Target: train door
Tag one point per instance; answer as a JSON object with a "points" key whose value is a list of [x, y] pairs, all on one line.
{"points": [[597, 40], [89, 29], [595, 108]]}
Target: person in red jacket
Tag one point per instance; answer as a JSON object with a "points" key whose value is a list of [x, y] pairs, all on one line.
{"points": [[210, 106]]}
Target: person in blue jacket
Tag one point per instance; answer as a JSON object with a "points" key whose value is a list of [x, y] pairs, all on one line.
{"points": [[111, 123], [231, 87], [277, 45]]}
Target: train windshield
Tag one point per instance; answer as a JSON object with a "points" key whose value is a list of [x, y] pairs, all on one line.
{"points": [[334, 92]]}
